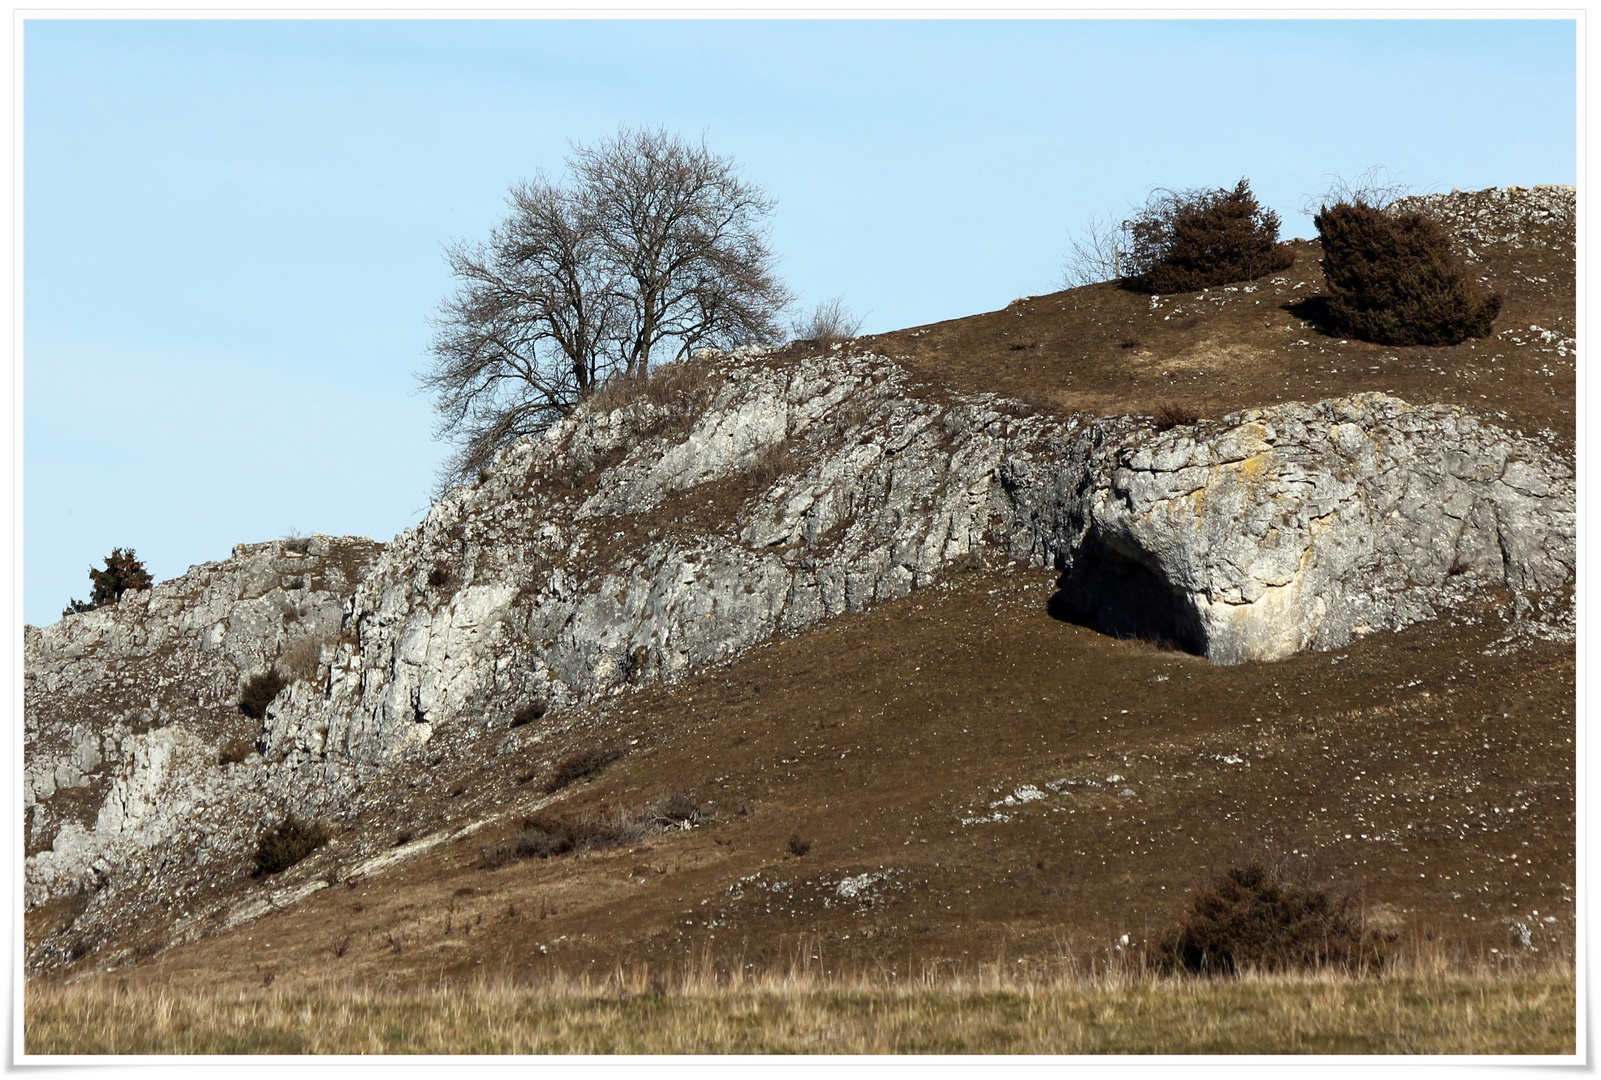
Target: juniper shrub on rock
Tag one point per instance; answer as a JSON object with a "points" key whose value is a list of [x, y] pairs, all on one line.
{"points": [[123, 573], [260, 691], [1394, 280]]}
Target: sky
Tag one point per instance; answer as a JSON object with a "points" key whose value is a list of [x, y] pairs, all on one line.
{"points": [[233, 231]]}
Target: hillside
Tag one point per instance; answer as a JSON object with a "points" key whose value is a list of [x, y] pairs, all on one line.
{"points": [[927, 651]]}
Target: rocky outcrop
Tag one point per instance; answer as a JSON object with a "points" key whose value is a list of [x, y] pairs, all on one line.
{"points": [[655, 539], [1295, 527], [789, 494], [735, 499], [130, 707]]}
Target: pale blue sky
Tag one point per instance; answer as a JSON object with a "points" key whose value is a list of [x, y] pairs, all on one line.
{"points": [[234, 230]]}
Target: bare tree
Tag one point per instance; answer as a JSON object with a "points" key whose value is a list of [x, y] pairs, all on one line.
{"points": [[652, 249], [684, 236], [1099, 253]]}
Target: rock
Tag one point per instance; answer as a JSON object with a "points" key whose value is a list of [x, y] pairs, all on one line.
{"points": [[1294, 527], [133, 699]]}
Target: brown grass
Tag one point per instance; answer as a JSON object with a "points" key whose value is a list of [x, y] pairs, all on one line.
{"points": [[1170, 414], [771, 463], [1276, 347], [678, 391], [721, 1008], [301, 658]]}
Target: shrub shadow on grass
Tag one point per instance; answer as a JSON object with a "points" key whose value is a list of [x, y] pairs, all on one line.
{"points": [[1314, 311]]}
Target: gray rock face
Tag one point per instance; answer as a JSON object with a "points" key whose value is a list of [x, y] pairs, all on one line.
{"points": [[660, 536], [1294, 527], [787, 497], [1542, 215], [126, 707]]}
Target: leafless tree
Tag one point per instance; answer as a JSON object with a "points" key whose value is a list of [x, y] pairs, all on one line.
{"points": [[1099, 253], [652, 248]]}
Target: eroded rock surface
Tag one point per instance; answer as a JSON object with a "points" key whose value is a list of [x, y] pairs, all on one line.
{"points": [[1295, 527], [130, 709]]}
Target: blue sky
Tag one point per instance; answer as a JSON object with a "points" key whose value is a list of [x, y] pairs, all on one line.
{"points": [[234, 230]]}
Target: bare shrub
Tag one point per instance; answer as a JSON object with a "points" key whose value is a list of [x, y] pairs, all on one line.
{"points": [[260, 691], [548, 837], [234, 751], [287, 843], [1171, 414], [1099, 253], [1373, 187], [1394, 280], [677, 808], [1182, 241], [797, 846], [301, 658], [1257, 917], [829, 323], [579, 765]]}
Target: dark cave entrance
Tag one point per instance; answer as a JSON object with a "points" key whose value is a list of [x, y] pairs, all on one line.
{"points": [[1115, 595]]}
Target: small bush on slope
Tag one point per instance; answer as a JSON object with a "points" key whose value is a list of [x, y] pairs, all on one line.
{"points": [[1254, 917], [1187, 240], [288, 842], [123, 573], [1394, 280], [579, 765], [260, 691]]}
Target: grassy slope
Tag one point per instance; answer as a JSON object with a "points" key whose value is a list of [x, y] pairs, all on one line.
{"points": [[1435, 777]]}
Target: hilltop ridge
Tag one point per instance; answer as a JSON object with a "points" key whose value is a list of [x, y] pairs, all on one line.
{"points": [[964, 495]]}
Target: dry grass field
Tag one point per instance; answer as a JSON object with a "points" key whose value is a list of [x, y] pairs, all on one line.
{"points": [[1477, 1009]]}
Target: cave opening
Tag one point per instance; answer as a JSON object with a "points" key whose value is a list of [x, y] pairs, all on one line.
{"points": [[1113, 594]]}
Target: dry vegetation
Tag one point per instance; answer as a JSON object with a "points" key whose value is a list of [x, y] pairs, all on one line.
{"points": [[1104, 349], [708, 1010]]}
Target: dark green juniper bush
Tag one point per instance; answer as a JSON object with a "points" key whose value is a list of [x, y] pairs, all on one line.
{"points": [[1394, 280], [259, 692], [123, 573], [287, 843], [1181, 241]]}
